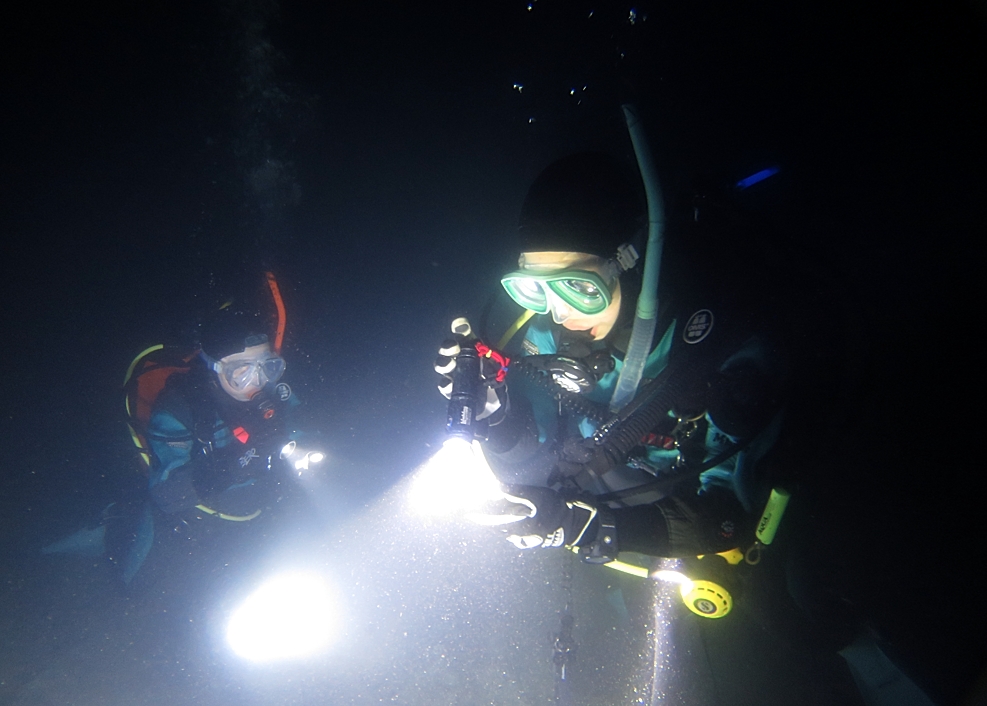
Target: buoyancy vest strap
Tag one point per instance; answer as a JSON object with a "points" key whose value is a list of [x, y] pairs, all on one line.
{"points": [[137, 359], [515, 327], [142, 450]]}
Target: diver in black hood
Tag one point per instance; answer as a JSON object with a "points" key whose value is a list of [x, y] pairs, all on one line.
{"points": [[689, 462], [671, 473]]}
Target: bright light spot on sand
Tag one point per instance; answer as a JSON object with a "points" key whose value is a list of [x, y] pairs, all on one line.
{"points": [[454, 480], [291, 616]]}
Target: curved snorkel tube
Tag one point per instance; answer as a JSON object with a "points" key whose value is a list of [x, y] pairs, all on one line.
{"points": [[272, 283], [643, 331]]}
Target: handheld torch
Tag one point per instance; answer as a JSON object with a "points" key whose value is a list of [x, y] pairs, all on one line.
{"points": [[464, 371]]}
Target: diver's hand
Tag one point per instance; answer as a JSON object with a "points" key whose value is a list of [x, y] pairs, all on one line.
{"points": [[538, 517], [579, 455]]}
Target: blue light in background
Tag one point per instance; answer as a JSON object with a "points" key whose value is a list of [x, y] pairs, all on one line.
{"points": [[756, 177]]}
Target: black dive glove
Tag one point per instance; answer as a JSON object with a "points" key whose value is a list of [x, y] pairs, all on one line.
{"points": [[491, 404], [540, 517]]}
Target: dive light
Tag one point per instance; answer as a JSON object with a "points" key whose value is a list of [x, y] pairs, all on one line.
{"points": [[463, 368], [299, 458]]}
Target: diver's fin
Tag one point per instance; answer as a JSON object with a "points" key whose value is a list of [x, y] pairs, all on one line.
{"points": [[143, 541], [615, 597], [878, 679], [85, 542]]}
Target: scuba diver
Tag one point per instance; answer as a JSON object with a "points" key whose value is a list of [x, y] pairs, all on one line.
{"points": [[683, 458], [212, 426], [213, 429], [671, 473]]}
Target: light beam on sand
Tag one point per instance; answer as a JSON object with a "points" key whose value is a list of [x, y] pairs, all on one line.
{"points": [[665, 595], [291, 616]]}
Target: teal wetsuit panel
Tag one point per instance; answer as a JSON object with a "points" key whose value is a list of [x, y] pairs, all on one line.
{"points": [[172, 443]]}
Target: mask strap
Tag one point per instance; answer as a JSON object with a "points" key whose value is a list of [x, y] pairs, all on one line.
{"points": [[624, 260]]}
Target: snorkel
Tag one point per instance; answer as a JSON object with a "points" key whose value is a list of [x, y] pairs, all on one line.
{"points": [[272, 283], [645, 319]]}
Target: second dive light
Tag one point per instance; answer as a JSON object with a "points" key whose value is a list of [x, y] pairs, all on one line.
{"points": [[300, 459]]}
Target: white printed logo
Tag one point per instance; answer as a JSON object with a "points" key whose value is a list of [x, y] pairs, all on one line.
{"points": [[698, 326], [248, 457]]}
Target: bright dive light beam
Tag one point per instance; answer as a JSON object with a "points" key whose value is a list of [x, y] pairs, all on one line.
{"points": [[454, 480], [289, 617]]}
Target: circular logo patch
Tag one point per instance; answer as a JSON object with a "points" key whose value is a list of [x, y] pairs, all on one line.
{"points": [[698, 326], [284, 392], [705, 606]]}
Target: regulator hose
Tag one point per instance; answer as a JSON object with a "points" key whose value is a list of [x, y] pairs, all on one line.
{"points": [[624, 436], [573, 402], [611, 445]]}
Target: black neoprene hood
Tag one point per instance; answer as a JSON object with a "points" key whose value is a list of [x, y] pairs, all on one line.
{"points": [[587, 202]]}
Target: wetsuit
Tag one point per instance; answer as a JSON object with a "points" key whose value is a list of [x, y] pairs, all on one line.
{"points": [[727, 363]]}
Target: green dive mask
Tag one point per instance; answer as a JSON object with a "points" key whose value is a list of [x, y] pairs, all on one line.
{"points": [[586, 292]]}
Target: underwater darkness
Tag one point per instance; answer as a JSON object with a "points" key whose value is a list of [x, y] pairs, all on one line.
{"points": [[160, 157]]}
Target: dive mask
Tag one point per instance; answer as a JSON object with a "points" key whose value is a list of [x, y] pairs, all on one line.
{"points": [[244, 374], [584, 291]]}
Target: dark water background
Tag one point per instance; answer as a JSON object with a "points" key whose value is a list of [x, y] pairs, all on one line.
{"points": [[375, 156]]}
